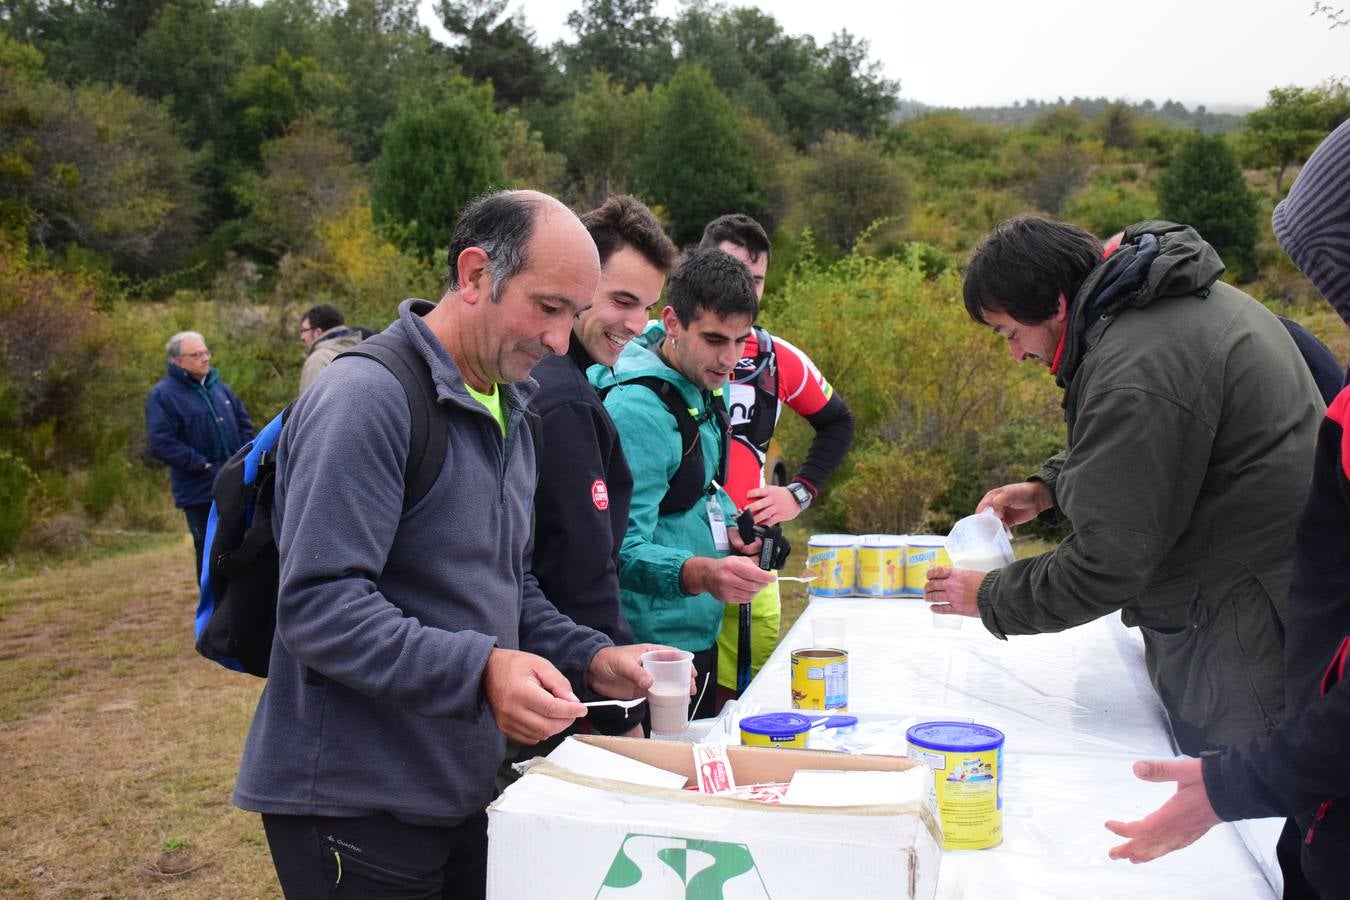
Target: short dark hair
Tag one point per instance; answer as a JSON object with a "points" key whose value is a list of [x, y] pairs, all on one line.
{"points": [[711, 280], [739, 229], [501, 225], [323, 317], [625, 221], [1023, 265]]}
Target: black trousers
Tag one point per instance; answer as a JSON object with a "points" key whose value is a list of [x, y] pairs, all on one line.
{"points": [[378, 857], [705, 664], [1288, 852], [197, 516]]}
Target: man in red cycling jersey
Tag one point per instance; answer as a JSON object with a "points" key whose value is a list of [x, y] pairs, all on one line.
{"points": [[771, 374]]}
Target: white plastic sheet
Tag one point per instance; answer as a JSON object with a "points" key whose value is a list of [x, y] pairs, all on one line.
{"points": [[1076, 708]]}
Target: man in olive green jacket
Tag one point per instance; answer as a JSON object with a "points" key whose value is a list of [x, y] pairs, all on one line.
{"points": [[1191, 423]]}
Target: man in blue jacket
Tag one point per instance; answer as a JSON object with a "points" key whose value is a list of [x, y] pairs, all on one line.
{"points": [[195, 423]]}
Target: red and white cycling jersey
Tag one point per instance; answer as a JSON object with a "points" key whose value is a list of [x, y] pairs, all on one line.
{"points": [[799, 385]]}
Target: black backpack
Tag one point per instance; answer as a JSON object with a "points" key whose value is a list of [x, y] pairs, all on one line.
{"points": [[687, 485], [763, 378], [237, 605]]}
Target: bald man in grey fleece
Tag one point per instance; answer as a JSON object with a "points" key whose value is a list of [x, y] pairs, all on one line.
{"points": [[408, 642]]}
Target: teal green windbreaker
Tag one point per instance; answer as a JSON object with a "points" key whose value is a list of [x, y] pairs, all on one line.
{"points": [[655, 547]]}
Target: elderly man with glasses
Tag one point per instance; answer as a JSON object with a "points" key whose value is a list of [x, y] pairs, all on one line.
{"points": [[195, 423]]}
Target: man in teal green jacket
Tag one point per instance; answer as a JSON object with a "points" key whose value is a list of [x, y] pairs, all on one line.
{"points": [[681, 558], [1191, 425]]}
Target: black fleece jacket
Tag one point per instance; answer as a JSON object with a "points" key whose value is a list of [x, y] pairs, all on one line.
{"points": [[582, 499], [1302, 769]]}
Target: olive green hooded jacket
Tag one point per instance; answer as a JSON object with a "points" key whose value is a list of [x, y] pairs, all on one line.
{"points": [[1191, 425]]}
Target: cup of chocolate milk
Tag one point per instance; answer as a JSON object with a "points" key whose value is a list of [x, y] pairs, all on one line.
{"points": [[668, 697]]}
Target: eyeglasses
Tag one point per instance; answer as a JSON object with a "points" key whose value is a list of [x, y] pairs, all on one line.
{"points": [[306, 329], [200, 354]]}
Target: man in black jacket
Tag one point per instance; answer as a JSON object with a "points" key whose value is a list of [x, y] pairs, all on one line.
{"points": [[581, 502], [1300, 769]]}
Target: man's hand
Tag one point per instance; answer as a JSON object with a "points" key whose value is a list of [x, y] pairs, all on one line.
{"points": [[772, 504], [731, 579], [617, 671], [529, 698], [1179, 822], [739, 545], [1018, 503], [953, 592]]}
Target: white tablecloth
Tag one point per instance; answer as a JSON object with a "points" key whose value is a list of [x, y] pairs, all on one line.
{"points": [[1077, 709]]}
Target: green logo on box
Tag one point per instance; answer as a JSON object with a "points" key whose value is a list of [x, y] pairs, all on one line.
{"points": [[655, 865]]}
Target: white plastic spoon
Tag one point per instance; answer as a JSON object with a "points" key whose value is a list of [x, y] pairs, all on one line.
{"points": [[622, 704]]}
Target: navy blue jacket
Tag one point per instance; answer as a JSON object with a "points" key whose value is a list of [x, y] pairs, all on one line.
{"points": [[191, 424]]}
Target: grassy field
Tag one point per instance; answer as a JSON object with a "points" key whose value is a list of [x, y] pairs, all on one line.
{"points": [[120, 744]]}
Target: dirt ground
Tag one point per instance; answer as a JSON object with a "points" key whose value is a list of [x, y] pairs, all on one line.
{"points": [[120, 744]]}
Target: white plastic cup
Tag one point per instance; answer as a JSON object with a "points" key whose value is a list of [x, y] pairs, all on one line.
{"points": [[668, 697], [828, 632], [941, 620], [985, 563]]}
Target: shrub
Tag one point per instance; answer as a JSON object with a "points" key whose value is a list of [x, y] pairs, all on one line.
{"points": [[436, 156], [937, 401], [105, 485], [1112, 202], [16, 483], [1204, 188], [889, 489]]}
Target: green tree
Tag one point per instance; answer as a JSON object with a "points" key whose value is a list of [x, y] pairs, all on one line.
{"points": [[375, 55], [844, 91], [500, 50], [437, 155], [82, 40], [777, 162], [97, 167], [187, 59], [847, 184], [604, 133], [1058, 167], [1063, 122], [525, 160], [746, 51], [1118, 126], [261, 102], [266, 29], [308, 178], [1203, 187], [625, 39], [695, 161], [1114, 199], [1293, 122], [805, 89]]}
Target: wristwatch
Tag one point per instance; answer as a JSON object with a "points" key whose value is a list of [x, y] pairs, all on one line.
{"points": [[801, 493]]}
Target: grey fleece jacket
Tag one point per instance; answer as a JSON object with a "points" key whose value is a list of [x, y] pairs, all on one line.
{"points": [[374, 701]]}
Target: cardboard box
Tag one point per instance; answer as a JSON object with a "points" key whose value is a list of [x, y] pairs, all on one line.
{"points": [[558, 834]]}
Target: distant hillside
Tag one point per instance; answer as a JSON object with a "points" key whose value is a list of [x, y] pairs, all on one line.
{"points": [[1089, 108]]}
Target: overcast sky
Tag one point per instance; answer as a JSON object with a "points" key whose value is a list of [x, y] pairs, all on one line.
{"points": [[1220, 53]]}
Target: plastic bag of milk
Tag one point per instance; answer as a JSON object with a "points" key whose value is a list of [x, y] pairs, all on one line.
{"points": [[980, 542]]}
